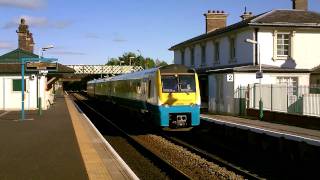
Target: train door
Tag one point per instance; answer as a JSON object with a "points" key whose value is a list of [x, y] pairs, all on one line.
{"points": [[203, 84]]}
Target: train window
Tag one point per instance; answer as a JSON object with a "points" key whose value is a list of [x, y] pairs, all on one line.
{"points": [[187, 83], [181, 83], [169, 84], [149, 89]]}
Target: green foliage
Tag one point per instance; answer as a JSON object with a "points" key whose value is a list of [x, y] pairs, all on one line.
{"points": [[130, 58]]}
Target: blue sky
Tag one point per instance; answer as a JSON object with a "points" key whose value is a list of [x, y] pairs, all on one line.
{"points": [[90, 32]]}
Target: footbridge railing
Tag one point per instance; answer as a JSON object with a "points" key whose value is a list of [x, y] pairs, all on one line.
{"points": [[104, 69]]}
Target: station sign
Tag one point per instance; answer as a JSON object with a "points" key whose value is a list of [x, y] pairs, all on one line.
{"points": [[41, 66], [259, 74]]}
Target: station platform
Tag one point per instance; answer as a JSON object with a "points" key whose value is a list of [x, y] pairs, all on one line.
{"points": [[299, 134], [60, 144]]}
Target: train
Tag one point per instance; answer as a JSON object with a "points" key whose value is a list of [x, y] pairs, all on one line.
{"points": [[169, 95]]}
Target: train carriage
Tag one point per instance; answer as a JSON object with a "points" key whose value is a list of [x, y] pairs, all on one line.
{"points": [[169, 94]]}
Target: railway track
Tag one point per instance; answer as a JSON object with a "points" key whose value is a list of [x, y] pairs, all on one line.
{"points": [[165, 165], [168, 166], [213, 158]]}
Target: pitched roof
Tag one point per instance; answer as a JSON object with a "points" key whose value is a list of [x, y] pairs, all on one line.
{"points": [[316, 70], [285, 18], [289, 17], [10, 63], [15, 55]]}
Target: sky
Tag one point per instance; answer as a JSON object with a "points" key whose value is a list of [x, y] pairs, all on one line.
{"points": [[92, 31]]}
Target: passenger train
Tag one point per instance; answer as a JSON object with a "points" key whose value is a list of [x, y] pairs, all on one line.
{"points": [[169, 95]]}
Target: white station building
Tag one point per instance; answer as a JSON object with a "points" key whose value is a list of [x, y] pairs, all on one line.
{"points": [[289, 53], [36, 85]]}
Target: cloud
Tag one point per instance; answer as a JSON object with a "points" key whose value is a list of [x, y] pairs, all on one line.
{"points": [[6, 45], [92, 36], [24, 4], [67, 53], [39, 22], [119, 40]]}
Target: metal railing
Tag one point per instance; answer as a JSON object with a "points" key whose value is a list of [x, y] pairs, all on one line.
{"points": [[303, 100], [104, 69]]}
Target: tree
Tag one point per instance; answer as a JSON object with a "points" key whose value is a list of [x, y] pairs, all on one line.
{"points": [[113, 62], [160, 63], [135, 60]]}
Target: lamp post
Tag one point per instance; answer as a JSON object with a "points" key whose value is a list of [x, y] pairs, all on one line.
{"points": [[259, 76], [39, 104], [44, 49], [130, 57], [144, 63]]}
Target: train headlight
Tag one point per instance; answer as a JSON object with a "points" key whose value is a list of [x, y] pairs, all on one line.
{"points": [[166, 105]]}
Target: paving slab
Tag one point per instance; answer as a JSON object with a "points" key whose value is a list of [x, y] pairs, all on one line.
{"points": [[41, 147], [297, 133]]}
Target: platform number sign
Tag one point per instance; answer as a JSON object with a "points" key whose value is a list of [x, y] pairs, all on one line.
{"points": [[229, 77]]}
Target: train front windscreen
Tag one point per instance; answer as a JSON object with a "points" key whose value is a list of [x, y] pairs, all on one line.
{"points": [[178, 83]]}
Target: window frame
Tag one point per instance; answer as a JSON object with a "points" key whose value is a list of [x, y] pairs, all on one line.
{"points": [[276, 55], [13, 85], [233, 51], [216, 57], [192, 54], [203, 54], [182, 57], [285, 47]]}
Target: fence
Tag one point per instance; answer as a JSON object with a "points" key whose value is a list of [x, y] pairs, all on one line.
{"points": [[303, 100]]}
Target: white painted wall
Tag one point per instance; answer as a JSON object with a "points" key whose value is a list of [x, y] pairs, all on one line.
{"points": [[227, 102], [243, 79], [306, 54], [244, 51], [209, 54], [197, 56], [11, 100], [306, 49], [220, 94], [187, 57], [177, 57]]}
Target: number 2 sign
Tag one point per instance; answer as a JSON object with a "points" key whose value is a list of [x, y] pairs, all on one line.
{"points": [[229, 77]]}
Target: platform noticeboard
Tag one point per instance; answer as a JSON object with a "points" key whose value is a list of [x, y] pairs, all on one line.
{"points": [[38, 66]]}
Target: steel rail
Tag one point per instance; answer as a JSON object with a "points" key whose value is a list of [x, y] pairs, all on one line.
{"points": [[170, 169]]}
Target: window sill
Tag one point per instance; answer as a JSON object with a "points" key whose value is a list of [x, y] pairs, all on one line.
{"points": [[281, 58]]}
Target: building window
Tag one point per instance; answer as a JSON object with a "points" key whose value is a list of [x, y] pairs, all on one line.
{"points": [[16, 85], [182, 57], [192, 56], [283, 44], [291, 83], [203, 54], [217, 53], [232, 49]]}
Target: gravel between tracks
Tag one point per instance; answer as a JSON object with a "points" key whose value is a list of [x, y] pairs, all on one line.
{"points": [[193, 165]]}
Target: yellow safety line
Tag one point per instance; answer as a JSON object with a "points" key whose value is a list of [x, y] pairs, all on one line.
{"points": [[93, 163]]}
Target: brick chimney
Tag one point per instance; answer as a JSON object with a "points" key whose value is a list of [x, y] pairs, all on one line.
{"points": [[215, 20], [300, 4], [25, 39], [246, 15]]}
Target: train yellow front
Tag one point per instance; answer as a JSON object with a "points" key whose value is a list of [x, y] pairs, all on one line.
{"points": [[169, 95]]}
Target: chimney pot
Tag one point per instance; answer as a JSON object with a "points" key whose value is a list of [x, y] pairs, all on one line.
{"points": [[246, 15], [209, 11], [300, 5], [215, 20]]}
